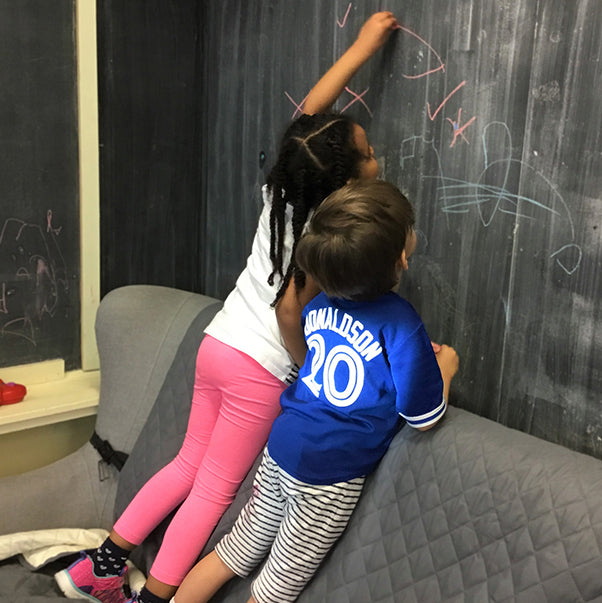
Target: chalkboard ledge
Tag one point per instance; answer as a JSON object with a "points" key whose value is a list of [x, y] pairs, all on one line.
{"points": [[73, 397]]}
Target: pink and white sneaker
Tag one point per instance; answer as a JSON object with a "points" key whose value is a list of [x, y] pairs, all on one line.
{"points": [[78, 581]]}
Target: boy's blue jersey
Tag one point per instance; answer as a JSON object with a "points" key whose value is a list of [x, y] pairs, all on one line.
{"points": [[367, 363]]}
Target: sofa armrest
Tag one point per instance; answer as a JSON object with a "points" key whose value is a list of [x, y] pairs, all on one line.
{"points": [[139, 329]]}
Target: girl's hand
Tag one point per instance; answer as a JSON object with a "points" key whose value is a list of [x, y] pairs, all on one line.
{"points": [[376, 31], [372, 36]]}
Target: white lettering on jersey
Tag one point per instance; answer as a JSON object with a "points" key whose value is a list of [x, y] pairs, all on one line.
{"points": [[325, 319]]}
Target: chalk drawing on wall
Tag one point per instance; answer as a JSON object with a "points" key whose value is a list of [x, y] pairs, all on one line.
{"points": [[32, 276], [298, 106], [356, 97], [421, 56], [341, 23], [489, 196]]}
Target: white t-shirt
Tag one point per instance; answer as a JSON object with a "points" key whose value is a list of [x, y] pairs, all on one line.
{"points": [[247, 321]]}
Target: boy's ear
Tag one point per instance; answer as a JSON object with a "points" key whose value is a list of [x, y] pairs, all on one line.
{"points": [[402, 262]]}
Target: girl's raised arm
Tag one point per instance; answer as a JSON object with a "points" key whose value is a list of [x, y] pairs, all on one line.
{"points": [[372, 36]]}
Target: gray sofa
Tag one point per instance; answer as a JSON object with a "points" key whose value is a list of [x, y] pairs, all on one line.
{"points": [[469, 511]]}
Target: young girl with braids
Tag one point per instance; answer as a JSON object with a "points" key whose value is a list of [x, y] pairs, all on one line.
{"points": [[242, 364]]}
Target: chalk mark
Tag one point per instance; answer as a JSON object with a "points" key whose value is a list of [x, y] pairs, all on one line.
{"points": [[428, 105], [459, 131], [431, 49], [299, 107], [56, 231], [568, 270], [341, 25], [357, 97]]}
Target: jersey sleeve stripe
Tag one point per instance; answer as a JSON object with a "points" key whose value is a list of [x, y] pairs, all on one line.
{"points": [[428, 418]]}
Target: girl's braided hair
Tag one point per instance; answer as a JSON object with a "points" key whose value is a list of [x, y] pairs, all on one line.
{"points": [[317, 156]]}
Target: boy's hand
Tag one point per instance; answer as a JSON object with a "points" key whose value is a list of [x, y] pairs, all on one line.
{"points": [[376, 31], [448, 362]]}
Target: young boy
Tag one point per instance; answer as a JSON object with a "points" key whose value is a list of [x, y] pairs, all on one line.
{"points": [[369, 361]]}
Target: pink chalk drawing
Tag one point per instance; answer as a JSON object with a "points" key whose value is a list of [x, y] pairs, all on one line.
{"points": [[441, 66], [299, 107], [342, 24], [33, 277], [49, 227], [459, 130], [356, 98], [428, 105], [457, 126]]}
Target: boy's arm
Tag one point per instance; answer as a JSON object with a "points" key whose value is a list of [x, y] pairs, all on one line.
{"points": [[422, 378], [372, 36], [288, 315], [448, 362]]}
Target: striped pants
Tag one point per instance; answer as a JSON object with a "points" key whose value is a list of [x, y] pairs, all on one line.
{"points": [[296, 523]]}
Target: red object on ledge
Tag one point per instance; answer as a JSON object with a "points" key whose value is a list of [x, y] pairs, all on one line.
{"points": [[11, 393]]}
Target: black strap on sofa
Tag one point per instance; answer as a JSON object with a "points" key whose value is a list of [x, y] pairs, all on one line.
{"points": [[109, 455]]}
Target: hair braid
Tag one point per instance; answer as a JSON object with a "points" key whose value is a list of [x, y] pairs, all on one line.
{"points": [[277, 213], [299, 218], [340, 172]]}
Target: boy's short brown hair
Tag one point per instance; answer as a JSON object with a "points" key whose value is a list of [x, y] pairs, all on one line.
{"points": [[355, 238]]}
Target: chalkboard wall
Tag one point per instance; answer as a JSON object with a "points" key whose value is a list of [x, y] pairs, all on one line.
{"points": [[151, 134], [487, 115], [39, 198]]}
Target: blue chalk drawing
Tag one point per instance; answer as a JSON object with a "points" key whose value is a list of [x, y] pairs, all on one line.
{"points": [[490, 195]]}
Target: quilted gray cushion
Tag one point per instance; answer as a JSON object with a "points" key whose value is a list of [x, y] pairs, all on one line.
{"points": [[469, 511]]}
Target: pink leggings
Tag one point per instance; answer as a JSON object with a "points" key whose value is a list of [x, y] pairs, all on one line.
{"points": [[234, 404]]}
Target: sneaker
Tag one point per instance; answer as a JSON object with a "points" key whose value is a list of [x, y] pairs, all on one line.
{"points": [[78, 581]]}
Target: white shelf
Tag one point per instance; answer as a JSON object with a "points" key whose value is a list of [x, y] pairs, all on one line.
{"points": [[73, 397]]}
